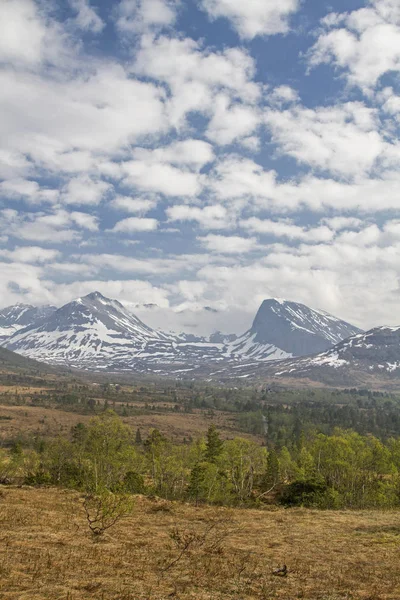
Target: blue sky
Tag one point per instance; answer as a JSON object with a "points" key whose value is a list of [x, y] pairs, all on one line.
{"points": [[208, 153]]}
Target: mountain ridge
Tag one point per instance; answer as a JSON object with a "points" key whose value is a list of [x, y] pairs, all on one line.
{"points": [[97, 333]]}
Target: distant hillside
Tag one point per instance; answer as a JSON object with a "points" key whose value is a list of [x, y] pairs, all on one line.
{"points": [[10, 361]]}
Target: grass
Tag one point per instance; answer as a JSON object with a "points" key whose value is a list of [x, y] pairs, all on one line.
{"points": [[48, 552], [27, 419]]}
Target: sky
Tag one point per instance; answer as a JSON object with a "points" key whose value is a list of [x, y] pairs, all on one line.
{"points": [[191, 158]]}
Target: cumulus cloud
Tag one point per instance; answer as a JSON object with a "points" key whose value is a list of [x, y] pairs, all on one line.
{"points": [[135, 16], [208, 217], [228, 244], [343, 139], [254, 17], [30, 254], [364, 43], [84, 190], [26, 189], [20, 20], [135, 224], [231, 121], [133, 205], [87, 18], [287, 230], [58, 226]]}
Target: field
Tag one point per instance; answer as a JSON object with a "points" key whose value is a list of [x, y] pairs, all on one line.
{"points": [[41, 421], [48, 552]]}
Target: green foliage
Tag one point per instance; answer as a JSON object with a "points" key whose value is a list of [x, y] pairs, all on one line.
{"points": [[341, 470], [105, 509], [214, 444]]}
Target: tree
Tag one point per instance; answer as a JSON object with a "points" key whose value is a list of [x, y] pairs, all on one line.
{"points": [[138, 437], [272, 474], [104, 510], [214, 444], [195, 490], [109, 452]]}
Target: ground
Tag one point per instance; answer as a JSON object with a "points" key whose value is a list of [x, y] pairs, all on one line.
{"points": [[42, 421], [48, 552]]}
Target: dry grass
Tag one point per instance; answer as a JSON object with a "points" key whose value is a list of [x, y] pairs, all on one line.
{"points": [[47, 552], [52, 422]]}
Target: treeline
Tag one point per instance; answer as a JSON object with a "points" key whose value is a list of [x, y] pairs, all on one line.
{"points": [[336, 471]]}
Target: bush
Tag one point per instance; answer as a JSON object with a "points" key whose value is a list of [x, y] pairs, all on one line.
{"points": [[105, 509], [304, 492]]}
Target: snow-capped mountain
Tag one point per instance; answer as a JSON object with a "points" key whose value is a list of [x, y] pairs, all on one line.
{"points": [[18, 316], [374, 352], [283, 329], [95, 332], [90, 331], [293, 329]]}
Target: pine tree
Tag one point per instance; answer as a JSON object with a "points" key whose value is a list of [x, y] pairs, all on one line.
{"points": [[196, 483], [272, 473], [138, 438], [214, 444]]}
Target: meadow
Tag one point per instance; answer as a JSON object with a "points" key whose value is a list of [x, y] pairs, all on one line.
{"points": [[47, 552]]}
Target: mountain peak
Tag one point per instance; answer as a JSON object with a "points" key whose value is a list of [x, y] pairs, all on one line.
{"points": [[296, 328], [95, 296]]}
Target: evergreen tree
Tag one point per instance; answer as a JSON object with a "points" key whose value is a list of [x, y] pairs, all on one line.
{"points": [[196, 484], [272, 474], [214, 444], [138, 438]]}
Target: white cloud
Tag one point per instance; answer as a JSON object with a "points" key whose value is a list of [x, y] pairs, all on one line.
{"points": [[342, 139], [136, 16], [338, 223], [283, 94], [209, 217], [58, 226], [188, 153], [288, 230], [134, 224], [160, 178], [364, 43], [85, 191], [15, 189], [253, 17], [87, 18], [84, 221], [20, 20], [228, 244], [195, 75], [242, 183], [73, 122], [30, 254], [133, 205], [231, 121]]}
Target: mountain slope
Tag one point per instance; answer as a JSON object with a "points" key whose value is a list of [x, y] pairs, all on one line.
{"points": [[97, 333], [91, 331], [283, 329], [370, 359], [13, 362], [16, 317]]}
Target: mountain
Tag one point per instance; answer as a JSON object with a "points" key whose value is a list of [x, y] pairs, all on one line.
{"points": [[18, 316], [97, 333], [283, 329], [90, 332], [359, 358], [11, 362]]}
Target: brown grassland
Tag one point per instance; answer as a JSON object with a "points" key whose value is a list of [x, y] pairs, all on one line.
{"points": [[43, 421], [48, 552]]}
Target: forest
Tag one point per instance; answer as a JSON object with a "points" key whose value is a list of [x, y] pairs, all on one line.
{"points": [[341, 470]]}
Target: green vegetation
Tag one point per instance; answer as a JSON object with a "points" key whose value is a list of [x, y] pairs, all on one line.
{"points": [[340, 470]]}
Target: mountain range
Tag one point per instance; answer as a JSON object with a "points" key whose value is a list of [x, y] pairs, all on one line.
{"points": [[100, 334]]}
